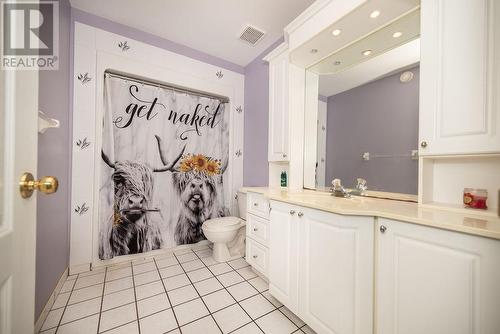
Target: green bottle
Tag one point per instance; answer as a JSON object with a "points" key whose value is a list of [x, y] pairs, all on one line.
{"points": [[283, 179]]}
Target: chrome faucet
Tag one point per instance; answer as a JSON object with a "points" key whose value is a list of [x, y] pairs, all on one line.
{"points": [[338, 190], [361, 186]]}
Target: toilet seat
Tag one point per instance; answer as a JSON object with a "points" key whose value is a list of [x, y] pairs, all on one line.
{"points": [[222, 223]]}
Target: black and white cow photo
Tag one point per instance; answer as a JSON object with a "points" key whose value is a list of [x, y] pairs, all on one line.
{"points": [[164, 155]]}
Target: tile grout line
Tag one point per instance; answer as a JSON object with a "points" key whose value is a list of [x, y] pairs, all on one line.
{"points": [[102, 300], [135, 298], [67, 302], [185, 272], [258, 293], [233, 296], [199, 295], [168, 298]]}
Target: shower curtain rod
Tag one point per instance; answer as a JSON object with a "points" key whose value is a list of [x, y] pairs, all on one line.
{"points": [[175, 88]]}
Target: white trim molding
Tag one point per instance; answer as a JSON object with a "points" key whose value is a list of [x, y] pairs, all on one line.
{"points": [[96, 51]]}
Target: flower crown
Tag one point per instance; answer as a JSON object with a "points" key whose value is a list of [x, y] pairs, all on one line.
{"points": [[200, 163]]}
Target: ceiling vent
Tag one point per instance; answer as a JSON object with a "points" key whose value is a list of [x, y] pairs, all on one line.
{"points": [[251, 35]]}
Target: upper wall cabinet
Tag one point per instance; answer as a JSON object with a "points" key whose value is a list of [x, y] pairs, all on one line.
{"points": [[459, 78], [278, 104]]}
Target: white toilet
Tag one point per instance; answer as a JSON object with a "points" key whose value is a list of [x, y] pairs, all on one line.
{"points": [[228, 233]]}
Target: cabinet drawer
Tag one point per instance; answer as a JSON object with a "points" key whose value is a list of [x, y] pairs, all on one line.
{"points": [[258, 256], [258, 205], [258, 229]]}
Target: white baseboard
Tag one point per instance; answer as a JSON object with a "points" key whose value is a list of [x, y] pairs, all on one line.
{"points": [[133, 257], [50, 302], [79, 268]]}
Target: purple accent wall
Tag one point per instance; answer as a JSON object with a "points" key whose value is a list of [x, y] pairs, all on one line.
{"points": [[380, 117], [255, 162], [121, 29], [53, 212]]}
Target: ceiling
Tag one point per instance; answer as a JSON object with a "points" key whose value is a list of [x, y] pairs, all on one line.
{"points": [[355, 26], [396, 59], [377, 43], [210, 26]]}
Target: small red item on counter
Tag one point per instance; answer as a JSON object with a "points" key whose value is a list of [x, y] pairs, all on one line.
{"points": [[475, 198]]}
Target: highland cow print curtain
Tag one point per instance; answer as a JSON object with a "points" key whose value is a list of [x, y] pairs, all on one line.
{"points": [[164, 155]]}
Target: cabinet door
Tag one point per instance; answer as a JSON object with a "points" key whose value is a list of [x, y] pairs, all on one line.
{"points": [[460, 77], [278, 108], [434, 281], [283, 254], [336, 272]]}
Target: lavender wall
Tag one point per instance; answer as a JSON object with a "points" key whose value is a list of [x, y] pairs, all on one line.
{"points": [[255, 163], [380, 117], [52, 236]]}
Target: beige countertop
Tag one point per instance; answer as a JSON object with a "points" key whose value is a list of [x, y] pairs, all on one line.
{"points": [[475, 223]]}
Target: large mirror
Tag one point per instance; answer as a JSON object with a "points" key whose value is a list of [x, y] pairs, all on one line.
{"points": [[361, 117]]}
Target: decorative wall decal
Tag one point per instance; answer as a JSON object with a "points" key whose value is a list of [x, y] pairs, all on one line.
{"points": [[163, 164], [219, 74], [239, 109], [124, 46], [323, 128], [82, 143], [82, 209], [84, 78], [238, 153]]}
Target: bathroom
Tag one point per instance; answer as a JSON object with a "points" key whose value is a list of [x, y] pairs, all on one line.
{"points": [[298, 166]]}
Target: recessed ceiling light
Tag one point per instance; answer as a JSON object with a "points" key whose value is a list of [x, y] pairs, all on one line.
{"points": [[314, 50], [397, 34], [336, 32], [367, 52], [375, 14], [337, 62]]}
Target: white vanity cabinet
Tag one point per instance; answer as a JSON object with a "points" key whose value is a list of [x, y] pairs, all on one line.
{"points": [[278, 104], [435, 281], [336, 272], [257, 233], [283, 252], [459, 77], [321, 267]]}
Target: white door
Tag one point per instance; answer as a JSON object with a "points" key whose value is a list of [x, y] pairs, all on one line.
{"points": [[18, 154], [460, 77], [336, 272], [434, 281], [278, 108], [283, 252]]}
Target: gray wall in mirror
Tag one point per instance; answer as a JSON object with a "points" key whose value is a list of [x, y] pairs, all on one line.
{"points": [[380, 117]]}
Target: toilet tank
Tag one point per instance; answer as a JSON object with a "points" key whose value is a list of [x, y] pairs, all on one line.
{"points": [[242, 205]]}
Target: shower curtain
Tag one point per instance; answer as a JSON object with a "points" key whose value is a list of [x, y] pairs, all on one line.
{"points": [[164, 155]]}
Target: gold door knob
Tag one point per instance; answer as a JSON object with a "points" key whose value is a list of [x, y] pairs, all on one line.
{"points": [[28, 184]]}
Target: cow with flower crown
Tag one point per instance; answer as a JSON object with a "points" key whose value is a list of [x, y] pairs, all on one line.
{"points": [[195, 180]]}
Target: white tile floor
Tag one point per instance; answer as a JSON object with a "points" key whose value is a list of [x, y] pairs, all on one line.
{"points": [[181, 292]]}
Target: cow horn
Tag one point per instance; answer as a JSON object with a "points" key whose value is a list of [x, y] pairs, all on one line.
{"points": [[167, 166], [106, 160]]}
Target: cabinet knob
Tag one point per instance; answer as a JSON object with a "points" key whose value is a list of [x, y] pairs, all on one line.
{"points": [[383, 228], [300, 214], [255, 229], [292, 212], [255, 204], [255, 256], [423, 144], [284, 155]]}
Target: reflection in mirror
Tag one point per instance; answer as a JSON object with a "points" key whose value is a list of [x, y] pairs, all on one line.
{"points": [[365, 112], [371, 132]]}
